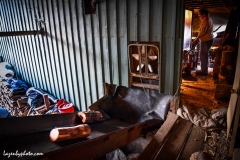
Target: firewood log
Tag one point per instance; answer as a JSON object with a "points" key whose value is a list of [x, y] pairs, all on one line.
{"points": [[67, 133], [90, 116]]}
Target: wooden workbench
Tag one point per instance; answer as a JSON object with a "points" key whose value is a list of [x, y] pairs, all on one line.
{"points": [[105, 137]]}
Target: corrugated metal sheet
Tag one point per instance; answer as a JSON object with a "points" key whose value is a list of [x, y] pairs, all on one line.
{"points": [[80, 52]]}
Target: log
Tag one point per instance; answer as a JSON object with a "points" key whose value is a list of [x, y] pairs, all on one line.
{"points": [[67, 133], [90, 116]]}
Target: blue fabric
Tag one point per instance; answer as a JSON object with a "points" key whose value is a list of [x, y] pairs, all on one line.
{"points": [[17, 84], [54, 110], [35, 99], [9, 67], [4, 113], [43, 92]]}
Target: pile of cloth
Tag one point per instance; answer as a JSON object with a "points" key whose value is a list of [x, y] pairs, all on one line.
{"points": [[36, 100], [202, 117]]}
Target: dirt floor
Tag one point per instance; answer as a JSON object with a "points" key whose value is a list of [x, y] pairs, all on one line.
{"points": [[199, 91]]}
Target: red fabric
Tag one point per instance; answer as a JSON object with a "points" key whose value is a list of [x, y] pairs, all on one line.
{"points": [[64, 106]]}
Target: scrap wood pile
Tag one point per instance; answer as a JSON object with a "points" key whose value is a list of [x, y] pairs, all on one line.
{"points": [[215, 147], [18, 99], [10, 94], [9, 98]]}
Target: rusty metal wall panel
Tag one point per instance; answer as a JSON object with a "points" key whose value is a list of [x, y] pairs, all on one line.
{"points": [[80, 52]]}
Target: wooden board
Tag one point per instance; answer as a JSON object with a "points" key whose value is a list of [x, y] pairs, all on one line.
{"points": [[22, 125], [194, 143], [22, 102], [159, 138], [105, 137], [175, 140]]}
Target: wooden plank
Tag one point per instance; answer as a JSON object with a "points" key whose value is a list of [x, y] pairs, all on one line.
{"points": [[236, 154], [194, 143], [102, 145], [233, 99], [144, 85], [21, 125], [105, 137], [235, 128], [159, 138], [46, 101], [175, 141], [174, 104], [22, 33]]}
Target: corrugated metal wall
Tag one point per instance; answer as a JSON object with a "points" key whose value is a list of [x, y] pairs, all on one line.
{"points": [[81, 52]]}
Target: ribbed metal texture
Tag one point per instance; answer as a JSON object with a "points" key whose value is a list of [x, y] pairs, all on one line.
{"points": [[80, 52]]}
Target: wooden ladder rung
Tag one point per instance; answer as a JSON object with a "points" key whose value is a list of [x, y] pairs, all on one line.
{"points": [[145, 85]]}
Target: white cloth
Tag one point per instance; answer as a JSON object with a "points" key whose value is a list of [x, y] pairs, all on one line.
{"points": [[4, 71], [203, 118]]}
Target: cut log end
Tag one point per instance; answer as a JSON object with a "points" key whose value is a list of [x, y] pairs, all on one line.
{"points": [[54, 134], [67, 133]]}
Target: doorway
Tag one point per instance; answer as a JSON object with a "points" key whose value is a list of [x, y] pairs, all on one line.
{"points": [[213, 90]]}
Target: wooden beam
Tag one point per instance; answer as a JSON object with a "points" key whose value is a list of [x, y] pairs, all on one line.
{"points": [[177, 138], [99, 146], [22, 125], [46, 101], [235, 128], [159, 138], [194, 143], [22, 33], [106, 136], [145, 85]]}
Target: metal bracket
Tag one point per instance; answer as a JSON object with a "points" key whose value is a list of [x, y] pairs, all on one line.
{"points": [[237, 91]]}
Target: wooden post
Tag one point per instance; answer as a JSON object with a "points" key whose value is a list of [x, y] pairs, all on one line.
{"points": [[46, 101]]}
